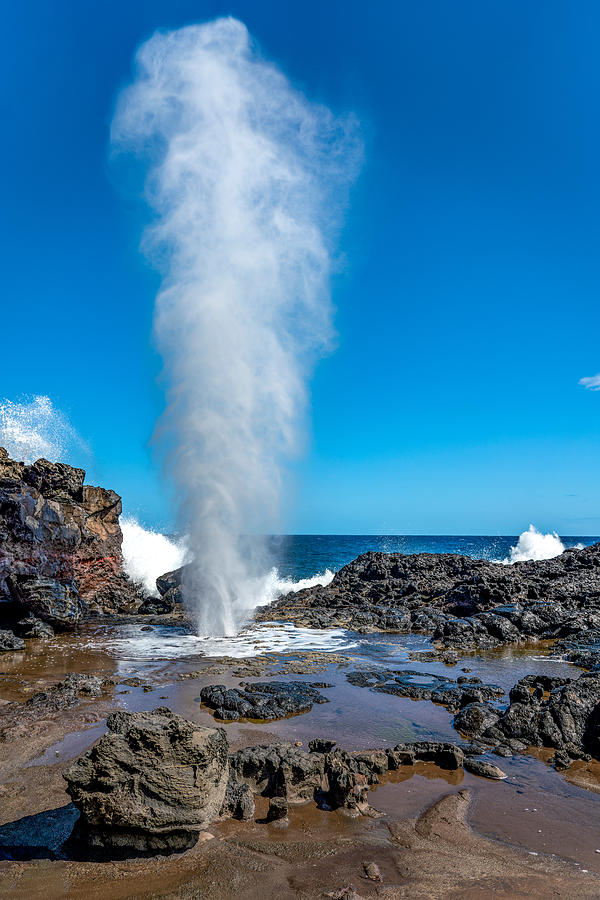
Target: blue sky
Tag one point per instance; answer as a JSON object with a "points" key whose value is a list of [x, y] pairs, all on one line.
{"points": [[467, 308]]}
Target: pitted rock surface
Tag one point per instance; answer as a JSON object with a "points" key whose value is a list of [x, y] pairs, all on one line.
{"points": [[424, 686], [149, 785]]}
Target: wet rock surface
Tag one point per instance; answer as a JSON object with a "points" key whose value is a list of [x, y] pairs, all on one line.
{"points": [[150, 785], [10, 641], [73, 689], [463, 603], [60, 545], [423, 686], [563, 714], [334, 778], [261, 700]]}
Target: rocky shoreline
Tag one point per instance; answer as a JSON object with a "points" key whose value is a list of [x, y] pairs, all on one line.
{"points": [[157, 783]]}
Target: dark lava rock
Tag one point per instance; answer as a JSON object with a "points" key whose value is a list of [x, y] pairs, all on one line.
{"points": [[60, 543], [10, 641], [149, 785], [442, 753], [68, 693], [423, 686], [462, 602], [160, 606], [55, 601], [170, 581], [544, 711], [261, 700], [34, 628], [278, 809], [72, 690], [321, 745], [483, 769]]}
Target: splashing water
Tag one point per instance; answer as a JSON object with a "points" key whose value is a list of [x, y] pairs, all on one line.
{"points": [[35, 428], [247, 179], [532, 544], [148, 554]]}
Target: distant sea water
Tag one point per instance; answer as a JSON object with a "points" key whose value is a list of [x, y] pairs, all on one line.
{"points": [[301, 556]]}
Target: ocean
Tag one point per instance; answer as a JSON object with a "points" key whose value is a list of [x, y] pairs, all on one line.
{"points": [[303, 556]]}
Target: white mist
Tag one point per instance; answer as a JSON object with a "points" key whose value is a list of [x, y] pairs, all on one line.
{"points": [[247, 180]]}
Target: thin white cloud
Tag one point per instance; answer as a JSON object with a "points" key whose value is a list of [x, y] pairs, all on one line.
{"points": [[592, 382]]}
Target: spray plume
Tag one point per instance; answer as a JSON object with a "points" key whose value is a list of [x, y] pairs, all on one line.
{"points": [[247, 180]]}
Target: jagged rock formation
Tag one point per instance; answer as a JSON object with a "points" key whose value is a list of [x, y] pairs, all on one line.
{"points": [[544, 711], [461, 602], [60, 544], [150, 785], [155, 780]]}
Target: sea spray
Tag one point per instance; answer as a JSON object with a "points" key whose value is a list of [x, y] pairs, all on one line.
{"points": [[533, 544], [148, 553], [33, 428], [247, 180]]}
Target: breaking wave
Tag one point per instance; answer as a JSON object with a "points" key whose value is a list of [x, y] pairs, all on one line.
{"points": [[533, 544], [36, 429], [148, 554]]}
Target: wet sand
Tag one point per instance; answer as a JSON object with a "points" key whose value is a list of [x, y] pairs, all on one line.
{"points": [[534, 834]]}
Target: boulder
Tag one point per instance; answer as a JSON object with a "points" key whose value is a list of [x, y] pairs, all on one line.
{"points": [[149, 785], [483, 769], [53, 601], [10, 641]]}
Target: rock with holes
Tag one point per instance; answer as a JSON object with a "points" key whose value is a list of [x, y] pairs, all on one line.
{"points": [[149, 785]]}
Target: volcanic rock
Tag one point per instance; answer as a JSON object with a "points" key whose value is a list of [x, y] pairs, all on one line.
{"points": [[34, 628], [149, 785], [10, 641], [483, 769], [261, 700], [60, 543], [423, 686], [544, 711], [462, 602]]}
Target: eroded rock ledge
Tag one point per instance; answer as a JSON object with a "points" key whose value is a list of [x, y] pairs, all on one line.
{"points": [[155, 780]]}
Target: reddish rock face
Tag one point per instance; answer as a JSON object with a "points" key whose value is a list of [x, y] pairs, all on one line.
{"points": [[60, 543]]}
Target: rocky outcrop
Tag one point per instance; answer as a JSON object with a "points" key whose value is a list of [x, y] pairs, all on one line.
{"points": [[60, 544], [333, 778], [150, 785], [544, 711], [261, 700], [10, 641], [18, 718], [462, 602]]}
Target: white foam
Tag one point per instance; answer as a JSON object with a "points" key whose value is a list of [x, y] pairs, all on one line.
{"points": [[532, 544], [168, 643], [148, 554]]}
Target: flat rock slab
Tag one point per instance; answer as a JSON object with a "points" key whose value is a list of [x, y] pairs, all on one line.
{"points": [[261, 700], [424, 686]]}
